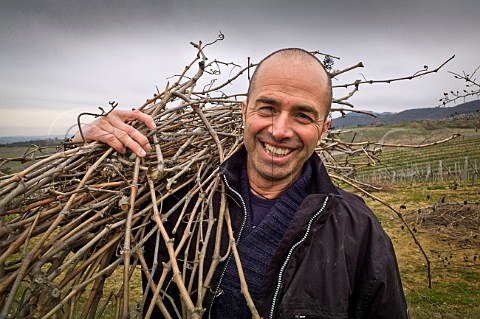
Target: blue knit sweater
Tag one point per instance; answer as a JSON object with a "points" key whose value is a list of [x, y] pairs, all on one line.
{"points": [[257, 246]]}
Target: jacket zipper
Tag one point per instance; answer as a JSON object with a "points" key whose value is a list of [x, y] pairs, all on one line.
{"points": [[290, 252], [238, 238]]}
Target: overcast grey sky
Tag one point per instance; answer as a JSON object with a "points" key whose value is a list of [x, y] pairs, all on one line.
{"points": [[62, 57]]}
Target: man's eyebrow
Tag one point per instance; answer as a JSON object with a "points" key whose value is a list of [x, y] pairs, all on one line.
{"points": [[267, 100]]}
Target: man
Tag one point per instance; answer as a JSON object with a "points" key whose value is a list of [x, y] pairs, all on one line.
{"points": [[308, 250]]}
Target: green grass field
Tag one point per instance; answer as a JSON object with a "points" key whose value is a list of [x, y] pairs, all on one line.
{"points": [[25, 155], [453, 252]]}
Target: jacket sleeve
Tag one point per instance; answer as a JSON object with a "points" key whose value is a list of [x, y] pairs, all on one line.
{"points": [[387, 297], [382, 295]]}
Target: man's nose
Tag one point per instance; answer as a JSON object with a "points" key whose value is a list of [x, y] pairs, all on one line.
{"points": [[281, 127]]}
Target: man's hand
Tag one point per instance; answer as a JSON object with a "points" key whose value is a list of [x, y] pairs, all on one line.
{"points": [[112, 130]]}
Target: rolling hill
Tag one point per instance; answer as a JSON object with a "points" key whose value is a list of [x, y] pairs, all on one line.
{"points": [[434, 113]]}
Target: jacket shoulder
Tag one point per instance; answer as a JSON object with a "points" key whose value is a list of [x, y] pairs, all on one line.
{"points": [[351, 197], [354, 204]]}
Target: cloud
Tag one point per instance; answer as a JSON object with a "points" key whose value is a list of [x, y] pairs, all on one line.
{"points": [[68, 54]]}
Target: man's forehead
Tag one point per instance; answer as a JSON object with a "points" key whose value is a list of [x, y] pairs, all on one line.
{"points": [[291, 77], [293, 67], [293, 59]]}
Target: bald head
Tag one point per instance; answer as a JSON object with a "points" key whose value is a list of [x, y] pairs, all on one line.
{"points": [[303, 59]]}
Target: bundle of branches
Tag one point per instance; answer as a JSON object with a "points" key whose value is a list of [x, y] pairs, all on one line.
{"points": [[76, 219]]}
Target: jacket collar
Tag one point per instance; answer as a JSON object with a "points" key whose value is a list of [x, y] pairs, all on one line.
{"points": [[320, 183]]}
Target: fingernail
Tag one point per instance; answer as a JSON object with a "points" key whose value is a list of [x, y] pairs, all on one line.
{"points": [[141, 152]]}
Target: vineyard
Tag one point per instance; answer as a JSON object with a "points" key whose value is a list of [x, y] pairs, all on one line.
{"points": [[457, 161]]}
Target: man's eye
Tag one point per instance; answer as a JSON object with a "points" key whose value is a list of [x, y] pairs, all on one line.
{"points": [[266, 110], [304, 118]]}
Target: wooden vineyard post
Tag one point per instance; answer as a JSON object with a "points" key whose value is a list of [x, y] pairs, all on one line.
{"points": [[465, 171], [440, 170], [475, 173]]}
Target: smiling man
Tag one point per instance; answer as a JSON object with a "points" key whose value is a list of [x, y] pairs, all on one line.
{"points": [[285, 118], [308, 249]]}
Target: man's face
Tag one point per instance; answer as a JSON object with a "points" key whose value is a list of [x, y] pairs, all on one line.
{"points": [[284, 119]]}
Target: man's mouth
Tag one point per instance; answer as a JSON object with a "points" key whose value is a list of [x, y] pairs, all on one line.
{"points": [[276, 151]]}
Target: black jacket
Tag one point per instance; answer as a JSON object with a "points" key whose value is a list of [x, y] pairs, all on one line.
{"points": [[335, 260]]}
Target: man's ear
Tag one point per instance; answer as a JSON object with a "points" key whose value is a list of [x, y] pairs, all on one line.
{"points": [[325, 127], [244, 111]]}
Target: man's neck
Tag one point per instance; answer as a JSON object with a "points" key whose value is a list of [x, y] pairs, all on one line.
{"points": [[265, 194], [267, 189]]}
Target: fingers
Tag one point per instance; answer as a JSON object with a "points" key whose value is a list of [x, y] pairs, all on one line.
{"points": [[111, 140], [140, 116], [130, 138], [112, 130]]}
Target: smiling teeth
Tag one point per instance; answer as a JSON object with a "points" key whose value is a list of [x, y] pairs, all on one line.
{"points": [[276, 151]]}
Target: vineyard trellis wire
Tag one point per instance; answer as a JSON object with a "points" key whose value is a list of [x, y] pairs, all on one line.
{"points": [[76, 218], [464, 172], [455, 162]]}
